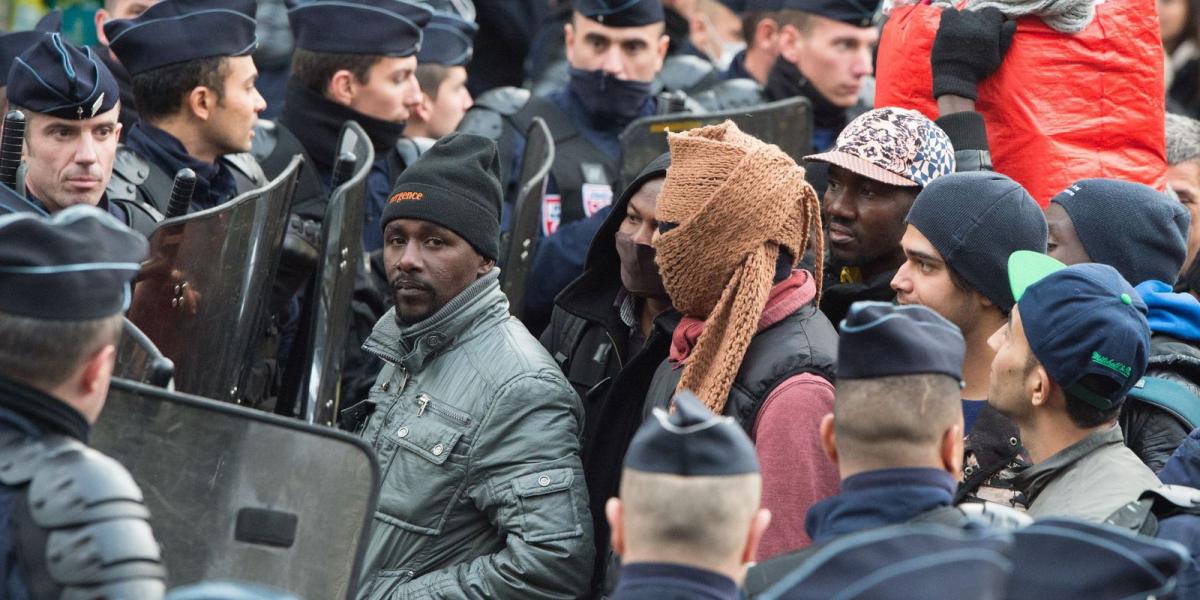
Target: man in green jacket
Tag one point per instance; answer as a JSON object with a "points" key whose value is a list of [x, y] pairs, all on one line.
{"points": [[476, 430]]}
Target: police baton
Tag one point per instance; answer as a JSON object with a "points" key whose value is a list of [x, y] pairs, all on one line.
{"points": [[10, 147], [181, 193]]}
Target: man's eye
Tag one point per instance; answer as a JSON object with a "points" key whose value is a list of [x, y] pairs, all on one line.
{"points": [[434, 243], [925, 267], [396, 241], [633, 219]]}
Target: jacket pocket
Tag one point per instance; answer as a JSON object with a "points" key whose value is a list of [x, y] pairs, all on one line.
{"points": [[424, 474], [547, 507]]}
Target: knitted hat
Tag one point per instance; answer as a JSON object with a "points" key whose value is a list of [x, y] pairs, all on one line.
{"points": [[1133, 228], [736, 202], [455, 184], [895, 146], [976, 220]]}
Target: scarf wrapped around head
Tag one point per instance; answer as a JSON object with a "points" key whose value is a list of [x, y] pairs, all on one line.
{"points": [[735, 200]]}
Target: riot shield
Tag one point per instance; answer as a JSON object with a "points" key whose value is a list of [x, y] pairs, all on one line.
{"points": [[202, 295], [518, 245], [138, 359], [329, 297], [238, 494], [786, 123]]}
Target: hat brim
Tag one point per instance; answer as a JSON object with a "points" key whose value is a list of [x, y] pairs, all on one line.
{"points": [[1026, 268], [861, 167]]}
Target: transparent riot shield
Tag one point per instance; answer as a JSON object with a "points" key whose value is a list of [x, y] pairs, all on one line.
{"points": [[202, 295], [786, 123], [518, 245], [341, 260], [239, 494]]}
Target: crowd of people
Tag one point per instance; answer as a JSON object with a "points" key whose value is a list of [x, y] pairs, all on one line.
{"points": [[891, 366]]}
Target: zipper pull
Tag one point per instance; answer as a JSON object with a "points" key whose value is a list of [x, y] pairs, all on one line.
{"points": [[403, 381], [423, 401]]}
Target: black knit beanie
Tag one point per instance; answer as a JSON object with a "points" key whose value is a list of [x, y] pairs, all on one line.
{"points": [[976, 220], [455, 184], [1140, 232]]}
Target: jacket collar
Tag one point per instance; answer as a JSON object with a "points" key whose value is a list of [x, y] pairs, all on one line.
{"points": [[878, 499], [413, 345], [1033, 480], [45, 412]]}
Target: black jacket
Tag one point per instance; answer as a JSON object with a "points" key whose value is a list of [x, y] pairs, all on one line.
{"points": [[1152, 433], [590, 342]]}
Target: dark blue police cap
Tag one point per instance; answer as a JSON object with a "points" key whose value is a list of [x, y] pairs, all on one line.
{"points": [[860, 13], [621, 13], [763, 5], [73, 266], [900, 563], [880, 339], [54, 78], [449, 40], [691, 442], [14, 43], [379, 27], [177, 31]]}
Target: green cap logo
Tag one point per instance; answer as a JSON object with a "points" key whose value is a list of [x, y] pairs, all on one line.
{"points": [[1104, 361]]}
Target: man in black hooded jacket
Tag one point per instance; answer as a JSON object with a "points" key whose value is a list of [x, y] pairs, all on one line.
{"points": [[610, 328]]}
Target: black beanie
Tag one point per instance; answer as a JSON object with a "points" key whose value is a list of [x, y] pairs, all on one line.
{"points": [[455, 184], [976, 220], [1138, 231]]}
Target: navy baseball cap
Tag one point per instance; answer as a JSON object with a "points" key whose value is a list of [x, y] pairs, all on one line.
{"points": [[178, 31], [1083, 320], [880, 339]]}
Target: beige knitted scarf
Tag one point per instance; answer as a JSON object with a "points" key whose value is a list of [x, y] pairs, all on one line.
{"points": [[736, 200]]}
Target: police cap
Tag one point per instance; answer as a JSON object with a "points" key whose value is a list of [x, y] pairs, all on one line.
{"points": [[621, 13], [177, 31], [14, 43], [860, 13], [73, 266], [378, 27], [448, 41], [54, 78], [691, 442]]}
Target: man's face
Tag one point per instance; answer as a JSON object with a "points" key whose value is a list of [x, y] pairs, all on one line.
{"points": [[119, 9], [835, 57], [865, 218], [1062, 242], [924, 279], [1012, 369], [391, 92], [1172, 17], [453, 100], [630, 53], [640, 222], [427, 266], [1184, 179], [69, 161], [230, 126]]}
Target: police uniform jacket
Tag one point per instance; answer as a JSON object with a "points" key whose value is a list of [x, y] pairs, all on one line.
{"points": [[477, 434]]}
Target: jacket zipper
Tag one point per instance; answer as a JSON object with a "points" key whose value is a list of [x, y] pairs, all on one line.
{"points": [[424, 402]]}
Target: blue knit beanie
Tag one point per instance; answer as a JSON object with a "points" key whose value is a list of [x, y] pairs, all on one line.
{"points": [[976, 220], [1140, 232]]}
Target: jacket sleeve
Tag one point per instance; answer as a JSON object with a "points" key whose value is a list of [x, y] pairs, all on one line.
{"points": [[796, 473], [526, 475], [968, 134]]}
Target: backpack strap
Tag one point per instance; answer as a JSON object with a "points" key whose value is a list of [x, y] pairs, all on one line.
{"points": [[1169, 396]]}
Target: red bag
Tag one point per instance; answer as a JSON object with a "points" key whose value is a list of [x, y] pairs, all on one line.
{"points": [[1061, 107]]}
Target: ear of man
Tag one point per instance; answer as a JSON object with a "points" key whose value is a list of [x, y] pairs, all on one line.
{"points": [[952, 450], [829, 438], [614, 512], [762, 520]]}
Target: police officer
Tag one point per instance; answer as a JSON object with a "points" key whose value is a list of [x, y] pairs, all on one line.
{"points": [[615, 49], [826, 54], [14, 43], [354, 61], [442, 73], [70, 102], [74, 524], [193, 80]]}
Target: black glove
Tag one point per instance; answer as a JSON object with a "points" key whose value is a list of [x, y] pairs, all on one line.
{"points": [[969, 47]]}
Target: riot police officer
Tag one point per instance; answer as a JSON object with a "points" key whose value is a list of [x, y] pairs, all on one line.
{"points": [[74, 524], [193, 81], [70, 102], [354, 61]]}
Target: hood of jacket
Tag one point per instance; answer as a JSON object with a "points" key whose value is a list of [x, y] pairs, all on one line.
{"points": [[1170, 313]]}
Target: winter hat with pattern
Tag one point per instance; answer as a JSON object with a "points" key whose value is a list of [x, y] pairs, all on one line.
{"points": [[730, 203]]}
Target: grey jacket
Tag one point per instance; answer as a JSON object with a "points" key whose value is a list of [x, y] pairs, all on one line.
{"points": [[1087, 480], [478, 436]]}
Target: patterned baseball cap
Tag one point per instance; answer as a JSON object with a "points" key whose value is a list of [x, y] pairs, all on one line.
{"points": [[895, 146]]}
